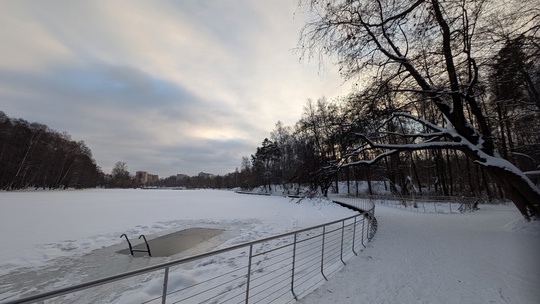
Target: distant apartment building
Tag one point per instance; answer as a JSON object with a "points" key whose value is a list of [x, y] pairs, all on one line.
{"points": [[145, 178]]}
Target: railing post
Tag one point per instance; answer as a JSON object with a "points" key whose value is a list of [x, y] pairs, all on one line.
{"points": [[363, 224], [354, 235], [322, 252], [293, 264], [342, 237], [370, 224], [165, 283], [249, 272]]}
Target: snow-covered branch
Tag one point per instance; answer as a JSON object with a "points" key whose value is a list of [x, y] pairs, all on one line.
{"points": [[416, 146], [371, 161]]}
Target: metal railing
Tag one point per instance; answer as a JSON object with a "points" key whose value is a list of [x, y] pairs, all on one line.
{"points": [[428, 204], [281, 268]]}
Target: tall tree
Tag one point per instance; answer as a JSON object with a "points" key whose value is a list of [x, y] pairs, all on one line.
{"points": [[121, 178], [427, 52], [288, 162], [514, 83], [265, 160]]}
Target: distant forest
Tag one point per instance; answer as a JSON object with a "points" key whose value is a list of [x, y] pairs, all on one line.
{"points": [[33, 155], [316, 152]]}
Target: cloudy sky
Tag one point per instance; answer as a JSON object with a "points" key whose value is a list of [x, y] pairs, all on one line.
{"points": [[166, 86]]}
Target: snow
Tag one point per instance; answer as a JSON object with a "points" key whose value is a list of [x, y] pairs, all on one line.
{"points": [[532, 173], [51, 224], [488, 256], [58, 238], [54, 239]]}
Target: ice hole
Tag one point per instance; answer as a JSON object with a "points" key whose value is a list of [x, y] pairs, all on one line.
{"points": [[172, 243]]}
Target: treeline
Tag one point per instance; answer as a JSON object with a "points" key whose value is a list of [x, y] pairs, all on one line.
{"points": [[120, 177], [33, 155], [318, 149], [202, 181]]}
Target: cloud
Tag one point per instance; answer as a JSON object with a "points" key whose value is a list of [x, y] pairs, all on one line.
{"points": [[167, 86], [125, 112]]}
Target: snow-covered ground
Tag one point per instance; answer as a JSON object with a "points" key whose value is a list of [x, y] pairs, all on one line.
{"points": [[53, 239], [488, 256], [57, 238]]}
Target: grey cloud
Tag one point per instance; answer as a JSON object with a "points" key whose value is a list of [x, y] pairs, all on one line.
{"points": [[213, 156], [120, 111], [99, 85], [169, 86]]}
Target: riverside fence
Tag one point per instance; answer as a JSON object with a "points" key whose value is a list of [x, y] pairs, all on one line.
{"points": [[277, 269], [428, 204]]}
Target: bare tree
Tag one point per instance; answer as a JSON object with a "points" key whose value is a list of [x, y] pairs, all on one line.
{"points": [[32, 155], [121, 178], [429, 52]]}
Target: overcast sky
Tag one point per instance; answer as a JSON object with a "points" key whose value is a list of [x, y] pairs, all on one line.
{"points": [[166, 86]]}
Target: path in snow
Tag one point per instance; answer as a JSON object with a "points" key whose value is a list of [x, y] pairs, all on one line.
{"points": [[441, 258]]}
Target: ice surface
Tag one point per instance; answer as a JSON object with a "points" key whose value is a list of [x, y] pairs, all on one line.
{"points": [[57, 238]]}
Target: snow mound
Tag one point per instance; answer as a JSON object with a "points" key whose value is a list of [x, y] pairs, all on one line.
{"points": [[520, 225]]}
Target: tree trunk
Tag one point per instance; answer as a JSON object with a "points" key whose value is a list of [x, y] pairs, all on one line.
{"points": [[472, 188], [416, 175], [368, 179], [348, 177], [486, 184], [451, 181], [519, 189]]}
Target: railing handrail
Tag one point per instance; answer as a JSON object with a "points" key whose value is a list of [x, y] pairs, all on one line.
{"points": [[418, 197], [166, 265]]}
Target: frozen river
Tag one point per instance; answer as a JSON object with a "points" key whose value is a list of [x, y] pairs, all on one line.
{"points": [[61, 238]]}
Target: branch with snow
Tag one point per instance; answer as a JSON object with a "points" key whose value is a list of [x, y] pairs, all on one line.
{"points": [[433, 140]]}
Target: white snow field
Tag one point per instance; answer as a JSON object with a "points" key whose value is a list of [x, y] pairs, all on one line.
{"points": [[53, 239]]}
